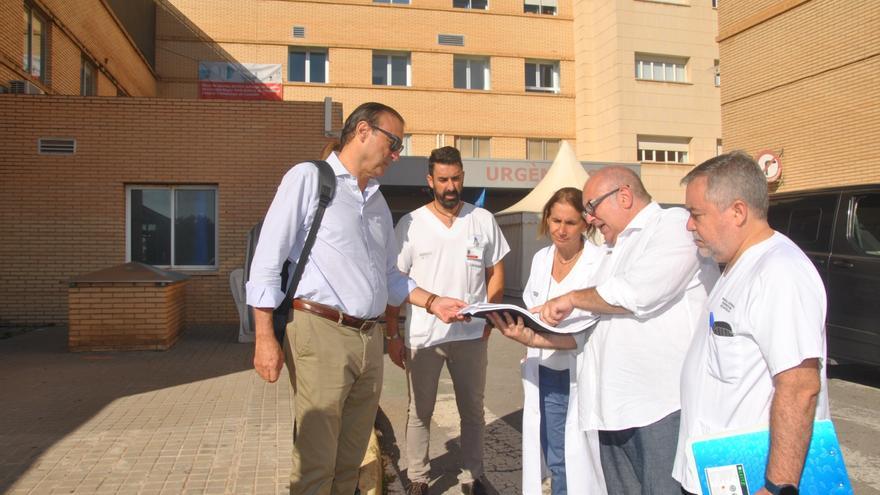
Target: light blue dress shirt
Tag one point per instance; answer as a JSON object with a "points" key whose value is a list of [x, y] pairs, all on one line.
{"points": [[353, 264]]}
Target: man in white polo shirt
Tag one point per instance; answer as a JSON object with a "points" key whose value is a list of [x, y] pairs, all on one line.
{"points": [[759, 356], [456, 248]]}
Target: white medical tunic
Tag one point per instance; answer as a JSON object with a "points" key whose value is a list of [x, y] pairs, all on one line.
{"points": [[765, 315]]}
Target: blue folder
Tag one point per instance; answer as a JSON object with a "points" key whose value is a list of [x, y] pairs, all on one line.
{"points": [[734, 463]]}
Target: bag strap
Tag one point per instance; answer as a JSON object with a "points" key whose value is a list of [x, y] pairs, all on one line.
{"points": [[326, 191]]}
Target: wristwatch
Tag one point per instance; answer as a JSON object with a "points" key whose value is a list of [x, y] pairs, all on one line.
{"points": [[774, 489], [393, 337]]}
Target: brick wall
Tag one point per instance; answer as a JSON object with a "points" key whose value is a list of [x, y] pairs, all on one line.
{"points": [[260, 32], [800, 78], [62, 216], [84, 27], [125, 316]]}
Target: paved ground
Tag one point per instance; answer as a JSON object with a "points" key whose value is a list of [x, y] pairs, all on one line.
{"points": [[196, 419]]}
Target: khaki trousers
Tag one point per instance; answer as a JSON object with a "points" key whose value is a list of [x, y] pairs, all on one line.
{"points": [[337, 377], [466, 361]]}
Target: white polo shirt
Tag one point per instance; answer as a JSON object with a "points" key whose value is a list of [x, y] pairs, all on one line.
{"points": [[451, 261], [768, 315], [632, 362]]}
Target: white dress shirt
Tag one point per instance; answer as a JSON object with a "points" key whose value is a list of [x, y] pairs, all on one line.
{"points": [[632, 363], [352, 266]]}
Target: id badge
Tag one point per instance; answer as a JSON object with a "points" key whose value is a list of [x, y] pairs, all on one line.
{"points": [[475, 250]]}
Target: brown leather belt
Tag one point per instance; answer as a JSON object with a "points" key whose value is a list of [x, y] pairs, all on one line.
{"points": [[334, 314]]}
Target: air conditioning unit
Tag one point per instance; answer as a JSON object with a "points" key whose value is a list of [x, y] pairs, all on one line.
{"points": [[24, 88]]}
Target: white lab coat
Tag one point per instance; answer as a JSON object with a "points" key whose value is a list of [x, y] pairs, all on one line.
{"points": [[583, 468]]}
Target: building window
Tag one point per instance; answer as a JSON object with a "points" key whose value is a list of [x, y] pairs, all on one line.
{"points": [[719, 149], [407, 145], [471, 4], [308, 65], [399, 2], [470, 72], [34, 43], [542, 75], [88, 85], [660, 68], [540, 7], [173, 226], [391, 69], [663, 149], [717, 73], [714, 4], [541, 149], [473, 147]]}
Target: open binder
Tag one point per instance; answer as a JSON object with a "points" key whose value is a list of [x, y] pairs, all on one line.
{"points": [[574, 324]]}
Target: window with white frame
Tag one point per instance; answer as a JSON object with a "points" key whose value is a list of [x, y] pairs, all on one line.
{"points": [[400, 2], [661, 68], [88, 78], [719, 149], [541, 149], [471, 4], [407, 145], [542, 75], [714, 4], [473, 147], [310, 65], [663, 149], [391, 69], [173, 226], [34, 61], [717, 73], [547, 7], [470, 72]]}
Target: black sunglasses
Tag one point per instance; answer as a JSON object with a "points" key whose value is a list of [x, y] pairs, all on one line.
{"points": [[396, 142]]}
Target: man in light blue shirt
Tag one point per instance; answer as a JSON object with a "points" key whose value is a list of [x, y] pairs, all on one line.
{"points": [[333, 346]]}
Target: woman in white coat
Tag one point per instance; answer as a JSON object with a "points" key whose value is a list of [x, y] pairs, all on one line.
{"points": [[552, 439]]}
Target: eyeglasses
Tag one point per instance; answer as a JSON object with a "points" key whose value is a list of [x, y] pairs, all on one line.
{"points": [[590, 206], [396, 142]]}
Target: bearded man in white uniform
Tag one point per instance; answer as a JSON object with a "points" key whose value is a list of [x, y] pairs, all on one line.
{"points": [[457, 246], [760, 355]]}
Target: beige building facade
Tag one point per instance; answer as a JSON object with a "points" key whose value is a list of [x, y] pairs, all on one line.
{"points": [[59, 47], [110, 146], [801, 80], [624, 80]]}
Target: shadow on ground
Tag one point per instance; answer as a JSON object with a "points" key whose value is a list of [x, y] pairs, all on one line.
{"points": [[445, 468], [48, 392]]}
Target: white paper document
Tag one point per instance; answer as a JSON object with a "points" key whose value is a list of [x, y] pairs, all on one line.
{"points": [[578, 321]]}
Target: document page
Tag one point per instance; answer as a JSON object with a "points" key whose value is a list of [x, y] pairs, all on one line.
{"points": [[577, 322]]}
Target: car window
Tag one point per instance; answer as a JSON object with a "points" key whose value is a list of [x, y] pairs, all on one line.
{"points": [[866, 224], [806, 220]]}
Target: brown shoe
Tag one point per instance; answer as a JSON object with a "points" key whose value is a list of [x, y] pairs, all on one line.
{"points": [[417, 488], [475, 487]]}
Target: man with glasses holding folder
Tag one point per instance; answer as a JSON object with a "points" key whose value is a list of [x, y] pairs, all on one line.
{"points": [[759, 356], [333, 346]]}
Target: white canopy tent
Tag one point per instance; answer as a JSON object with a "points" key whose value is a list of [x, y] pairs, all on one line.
{"points": [[566, 171]]}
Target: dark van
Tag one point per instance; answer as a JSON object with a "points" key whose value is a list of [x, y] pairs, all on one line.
{"points": [[839, 229]]}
